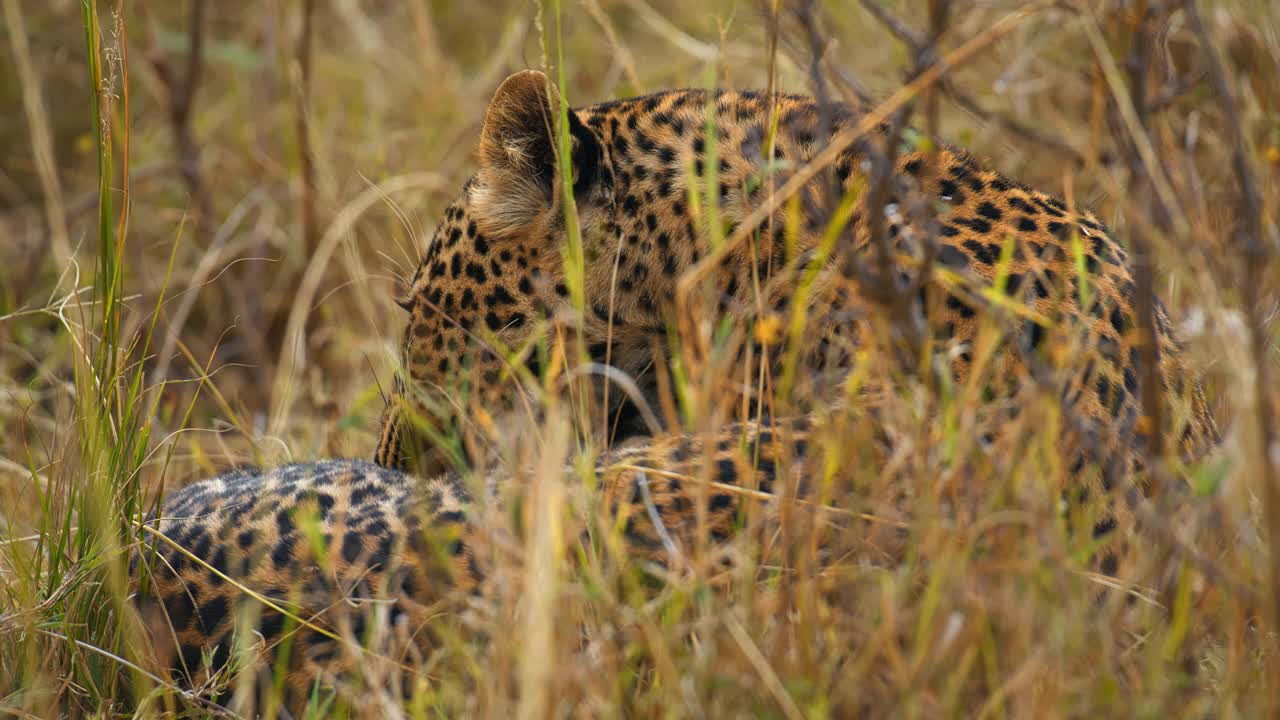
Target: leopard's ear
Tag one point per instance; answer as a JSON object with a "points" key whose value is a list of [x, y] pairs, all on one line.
{"points": [[517, 181], [517, 134]]}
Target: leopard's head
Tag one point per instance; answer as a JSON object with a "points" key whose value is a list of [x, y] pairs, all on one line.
{"points": [[642, 172], [492, 279]]}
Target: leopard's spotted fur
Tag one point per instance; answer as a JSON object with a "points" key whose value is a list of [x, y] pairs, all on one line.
{"points": [[495, 267], [322, 543]]}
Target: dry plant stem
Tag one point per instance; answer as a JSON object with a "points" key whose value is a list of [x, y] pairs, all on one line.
{"points": [[625, 58], [39, 130], [183, 93], [182, 103], [1144, 276], [900, 30], [772, 31], [542, 572], [1258, 254], [805, 13], [310, 230], [900, 300], [923, 208], [939, 14], [1161, 186], [122, 218], [880, 285]]}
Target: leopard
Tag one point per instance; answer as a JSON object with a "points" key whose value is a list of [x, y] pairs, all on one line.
{"points": [[749, 194], [333, 570], [685, 184], [311, 549]]}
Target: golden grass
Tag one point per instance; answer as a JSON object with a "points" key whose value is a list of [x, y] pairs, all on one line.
{"points": [[233, 334]]}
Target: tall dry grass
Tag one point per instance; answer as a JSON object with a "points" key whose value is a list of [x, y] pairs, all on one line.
{"points": [[205, 209]]}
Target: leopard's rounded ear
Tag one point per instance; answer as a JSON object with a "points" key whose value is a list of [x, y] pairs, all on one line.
{"points": [[518, 170], [516, 181], [517, 133]]}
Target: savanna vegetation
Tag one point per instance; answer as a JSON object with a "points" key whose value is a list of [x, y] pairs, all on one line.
{"points": [[207, 210]]}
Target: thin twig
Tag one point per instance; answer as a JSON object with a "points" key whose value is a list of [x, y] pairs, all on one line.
{"points": [[922, 208], [1139, 62], [900, 29], [310, 230], [1026, 132]]}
